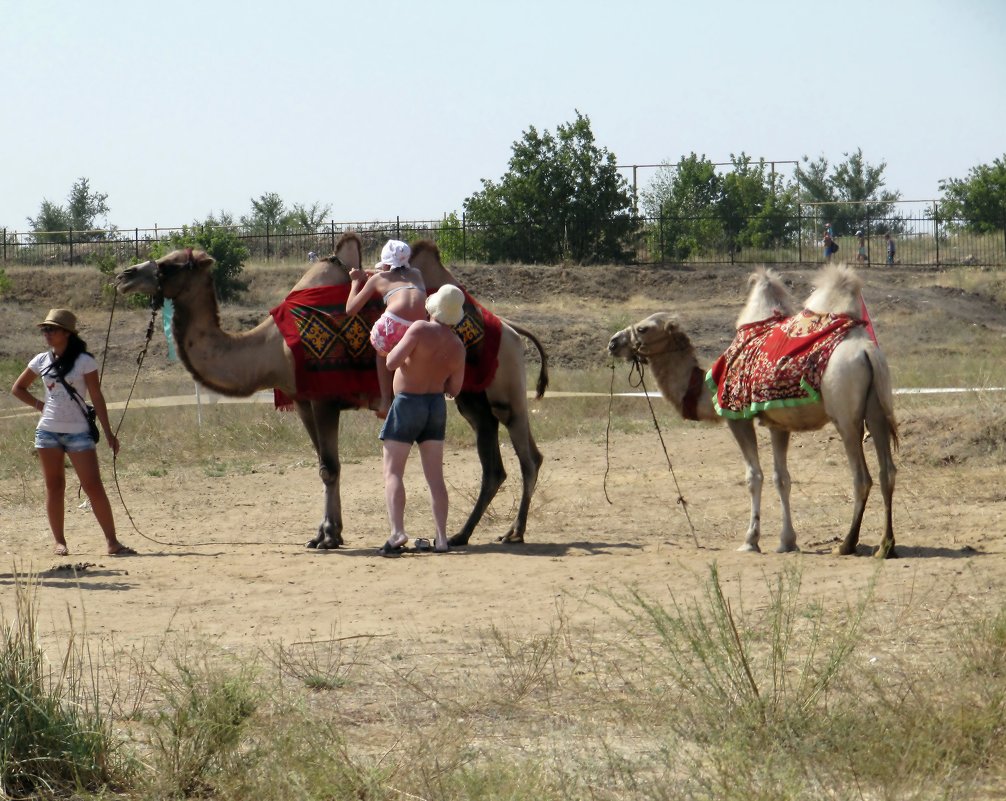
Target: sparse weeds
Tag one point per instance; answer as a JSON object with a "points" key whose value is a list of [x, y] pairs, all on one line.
{"points": [[54, 737]]}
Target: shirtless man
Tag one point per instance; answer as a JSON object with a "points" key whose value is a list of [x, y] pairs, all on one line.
{"points": [[428, 361]]}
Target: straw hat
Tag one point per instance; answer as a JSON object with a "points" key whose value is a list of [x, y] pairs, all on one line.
{"points": [[61, 318], [446, 305], [395, 254]]}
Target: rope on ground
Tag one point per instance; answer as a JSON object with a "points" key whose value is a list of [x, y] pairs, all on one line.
{"points": [[637, 368]]}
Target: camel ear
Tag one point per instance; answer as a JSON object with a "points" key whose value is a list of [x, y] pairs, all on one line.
{"points": [[202, 259]]}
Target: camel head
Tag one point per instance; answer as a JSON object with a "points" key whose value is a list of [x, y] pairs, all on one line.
{"points": [[166, 277], [657, 334]]}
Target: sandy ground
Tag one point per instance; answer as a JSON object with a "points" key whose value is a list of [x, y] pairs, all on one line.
{"points": [[225, 556]]}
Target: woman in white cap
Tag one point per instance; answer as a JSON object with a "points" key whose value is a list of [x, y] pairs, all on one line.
{"points": [[404, 293], [63, 430], [428, 361]]}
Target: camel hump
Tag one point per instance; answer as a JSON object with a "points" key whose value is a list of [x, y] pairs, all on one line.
{"points": [[838, 290]]}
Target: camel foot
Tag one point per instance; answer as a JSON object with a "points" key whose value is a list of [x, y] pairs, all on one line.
{"points": [[885, 552], [510, 538], [845, 549], [790, 548], [749, 547], [459, 540]]}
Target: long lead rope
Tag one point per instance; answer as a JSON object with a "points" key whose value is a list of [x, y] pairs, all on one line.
{"points": [[637, 369]]}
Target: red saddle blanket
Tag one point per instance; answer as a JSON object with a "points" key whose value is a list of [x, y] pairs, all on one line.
{"points": [[776, 362], [334, 359]]}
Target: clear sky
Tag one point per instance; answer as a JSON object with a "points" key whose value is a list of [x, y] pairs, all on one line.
{"points": [[383, 107]]}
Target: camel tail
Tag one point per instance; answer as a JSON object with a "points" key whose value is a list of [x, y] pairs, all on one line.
{"points": [[838, 291], [881, 390], [542, 384]]}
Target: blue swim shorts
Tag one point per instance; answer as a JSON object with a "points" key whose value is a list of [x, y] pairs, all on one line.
{"points": [[416, 418], [71, 443]]}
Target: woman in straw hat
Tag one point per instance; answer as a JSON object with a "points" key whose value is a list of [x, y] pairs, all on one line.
{"points": [[63, 428]]}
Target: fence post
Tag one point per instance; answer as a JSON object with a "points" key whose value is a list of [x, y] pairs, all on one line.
{"points": [[5, 244], [660, 232], [331, 224], [936, 230], [267, 247], [799, 233], [464, 240], [398, 227], [136, 239], [70, 232]]}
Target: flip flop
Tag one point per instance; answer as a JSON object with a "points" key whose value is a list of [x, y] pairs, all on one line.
{"points": [[61, 550], [389, 550], [125, 550], [423, 544]]}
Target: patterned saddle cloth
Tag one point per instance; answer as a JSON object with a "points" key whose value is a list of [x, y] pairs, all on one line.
{"points": [[334, 359], [776, 362]]}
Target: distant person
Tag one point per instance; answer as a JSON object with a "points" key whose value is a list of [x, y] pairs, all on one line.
{"points": [[312, 256], [830, 246], [428, 362], [861, 251], [891, 248], [69, 374], [404, 295]]}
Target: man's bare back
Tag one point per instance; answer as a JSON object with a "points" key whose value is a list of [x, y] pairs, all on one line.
{"points": [[430, 358]]}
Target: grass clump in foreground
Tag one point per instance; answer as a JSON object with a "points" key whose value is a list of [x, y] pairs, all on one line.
{"points": [[54, 739], [778, 697]]}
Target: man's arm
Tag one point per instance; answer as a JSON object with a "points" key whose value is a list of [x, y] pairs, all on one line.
{"points": [[457, 377], [398, 354]]}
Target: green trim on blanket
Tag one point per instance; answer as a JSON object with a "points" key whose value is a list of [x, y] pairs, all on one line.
{"points": [[754, 409]]}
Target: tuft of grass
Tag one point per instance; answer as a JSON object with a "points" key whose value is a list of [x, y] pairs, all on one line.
{"points": [[196, 733], [54, 737]]}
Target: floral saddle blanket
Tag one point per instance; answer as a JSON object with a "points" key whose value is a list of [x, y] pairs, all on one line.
{"points": [[333, 357], [776, 362]]}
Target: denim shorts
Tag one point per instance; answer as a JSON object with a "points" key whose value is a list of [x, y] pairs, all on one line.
{"points": [[416, 418], [71, 443]]}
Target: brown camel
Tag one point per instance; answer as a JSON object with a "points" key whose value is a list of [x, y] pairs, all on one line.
{"points": [[855, 390], [244, 363]]}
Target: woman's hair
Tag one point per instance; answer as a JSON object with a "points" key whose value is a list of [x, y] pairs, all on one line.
{"points": [[74, 347]]}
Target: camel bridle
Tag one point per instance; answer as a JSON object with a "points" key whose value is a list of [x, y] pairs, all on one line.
{"points": [[157, 298]]}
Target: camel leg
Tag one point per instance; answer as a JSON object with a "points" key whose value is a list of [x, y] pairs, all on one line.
{"points": [[744, 433], [783, 484], [852, 439], [530, 458], [474, 407], [321, 419], [880, 431]]}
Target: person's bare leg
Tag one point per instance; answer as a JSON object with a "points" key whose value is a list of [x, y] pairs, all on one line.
{"points": [[54, 476], [89, 474], [432, 454], [395, 456], [385, 380]]}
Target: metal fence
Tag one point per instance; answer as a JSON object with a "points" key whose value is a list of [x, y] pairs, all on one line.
{"points": [[923, 241]]}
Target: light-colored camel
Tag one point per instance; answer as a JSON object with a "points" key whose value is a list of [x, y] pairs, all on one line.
{"points": [[243, 363], [855, 390]]}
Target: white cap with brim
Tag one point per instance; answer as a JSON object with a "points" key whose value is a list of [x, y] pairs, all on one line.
{"points": [[395, 254], [447, 305]]}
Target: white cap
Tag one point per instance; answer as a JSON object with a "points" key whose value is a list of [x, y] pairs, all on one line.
{"points": [[395, 254]]}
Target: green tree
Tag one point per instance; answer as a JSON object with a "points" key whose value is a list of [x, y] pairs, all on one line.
{"points": [[684, 197], [850, 194], [310, 218], [978, 202], [562, 198], [268, 211], [80, 215]]}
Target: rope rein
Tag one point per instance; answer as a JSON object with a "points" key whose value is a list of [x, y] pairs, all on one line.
{"points": [[637, 369]]}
